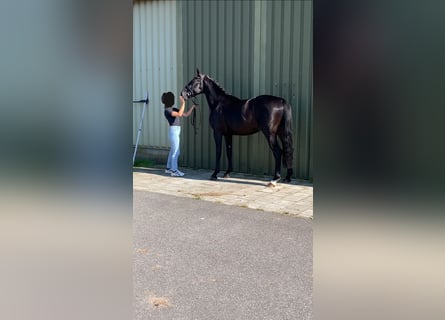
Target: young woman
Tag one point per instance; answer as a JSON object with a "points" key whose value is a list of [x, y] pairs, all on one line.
{"points": [[173, 116]]}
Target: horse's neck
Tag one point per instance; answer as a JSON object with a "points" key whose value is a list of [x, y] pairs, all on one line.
{"points": [[213, 93], [211, 100]]}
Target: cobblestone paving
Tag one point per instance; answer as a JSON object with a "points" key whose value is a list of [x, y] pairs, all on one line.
{"points": [[240, 190]]}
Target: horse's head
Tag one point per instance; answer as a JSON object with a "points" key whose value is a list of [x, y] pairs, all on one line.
{"points": [[194, 87]]}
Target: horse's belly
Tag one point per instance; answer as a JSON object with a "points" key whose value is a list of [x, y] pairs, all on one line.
{"points": [[234, 125], [243, 131]]}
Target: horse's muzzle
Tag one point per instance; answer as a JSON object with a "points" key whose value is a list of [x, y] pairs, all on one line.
{"points": [[186, 94]]}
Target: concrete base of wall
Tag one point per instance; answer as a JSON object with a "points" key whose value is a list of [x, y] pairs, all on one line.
{"points": [[157, 155]]}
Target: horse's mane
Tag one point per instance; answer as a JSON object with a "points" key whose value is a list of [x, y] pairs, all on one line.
{"points": [[219, 88], [217, 85]]}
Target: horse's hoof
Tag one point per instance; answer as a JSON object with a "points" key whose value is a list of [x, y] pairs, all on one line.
{"points": [[273, 183], [213, 178], [227, 175], [288, 180]]}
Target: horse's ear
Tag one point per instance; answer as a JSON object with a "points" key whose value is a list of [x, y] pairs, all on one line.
{"points": [[197, 72]]}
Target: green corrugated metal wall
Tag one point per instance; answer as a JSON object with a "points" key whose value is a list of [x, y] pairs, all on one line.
{"points": [[154, 66], [249, 47]]}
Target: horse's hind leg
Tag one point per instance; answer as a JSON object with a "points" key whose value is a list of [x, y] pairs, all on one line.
{"points": [[290, 171], [276, 150], [228, 139]]}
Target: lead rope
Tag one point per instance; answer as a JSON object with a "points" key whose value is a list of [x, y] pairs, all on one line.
{"points": [[193, 120]]}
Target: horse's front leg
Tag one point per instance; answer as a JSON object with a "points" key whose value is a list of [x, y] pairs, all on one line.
{"points": [[218, 143], [228, 139]]}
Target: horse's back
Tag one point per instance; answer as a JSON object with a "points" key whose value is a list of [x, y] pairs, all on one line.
{"points": [[264, 105], [248, 116], [268, 100]]}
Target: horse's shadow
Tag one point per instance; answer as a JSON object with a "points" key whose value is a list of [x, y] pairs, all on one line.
{"points": [[235, 178]]}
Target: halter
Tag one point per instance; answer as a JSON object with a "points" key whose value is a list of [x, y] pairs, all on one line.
{"points": [[193, 119]]}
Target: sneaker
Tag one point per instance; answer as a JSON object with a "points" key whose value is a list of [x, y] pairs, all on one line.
{"points": [[168, 171], [177, 173]]}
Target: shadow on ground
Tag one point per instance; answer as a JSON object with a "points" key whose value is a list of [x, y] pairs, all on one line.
{"points": [[235, 177]]}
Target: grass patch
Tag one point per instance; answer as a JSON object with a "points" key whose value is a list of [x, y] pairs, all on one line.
{"points": [[147, 163]]}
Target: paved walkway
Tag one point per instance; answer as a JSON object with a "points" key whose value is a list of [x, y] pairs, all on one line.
{"points": [[240, 190]]}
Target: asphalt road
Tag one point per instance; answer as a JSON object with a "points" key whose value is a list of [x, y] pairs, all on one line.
{"points": [[195, 259]]}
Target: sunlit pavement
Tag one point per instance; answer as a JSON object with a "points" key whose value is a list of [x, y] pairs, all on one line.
{"points": [[241, 190]]}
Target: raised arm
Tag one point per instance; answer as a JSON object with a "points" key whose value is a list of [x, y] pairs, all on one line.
{"points": [[181, 109]]}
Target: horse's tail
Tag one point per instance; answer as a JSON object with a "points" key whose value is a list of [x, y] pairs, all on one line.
{"points": [[288, 145]]}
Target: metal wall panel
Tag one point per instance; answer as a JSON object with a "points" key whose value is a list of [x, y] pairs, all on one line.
{"points": [[250, 48], [155, 66]]}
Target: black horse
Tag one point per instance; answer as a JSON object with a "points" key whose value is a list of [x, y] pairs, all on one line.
{"points": [[230, 115]]}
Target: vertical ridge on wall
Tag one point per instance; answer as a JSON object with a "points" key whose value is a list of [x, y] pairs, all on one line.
{"points": [[306, 71]]}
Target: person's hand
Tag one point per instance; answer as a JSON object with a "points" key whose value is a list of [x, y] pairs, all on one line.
{"points": [[195, 106], [181, 98]]}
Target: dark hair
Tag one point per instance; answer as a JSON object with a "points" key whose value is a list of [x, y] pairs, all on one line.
{"points": [[168, 99]]}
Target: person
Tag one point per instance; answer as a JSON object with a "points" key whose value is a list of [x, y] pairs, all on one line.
{"points": [[173, 116]]}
